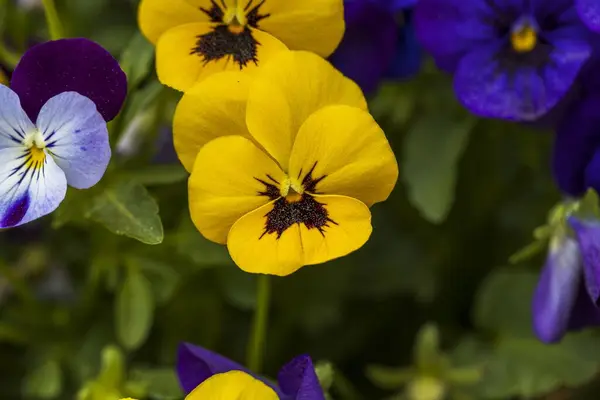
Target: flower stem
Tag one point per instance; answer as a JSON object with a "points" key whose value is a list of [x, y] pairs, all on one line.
{"points": [[54, 25], [255, 351]]}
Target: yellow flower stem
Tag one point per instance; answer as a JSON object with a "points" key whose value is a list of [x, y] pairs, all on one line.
{"points": [[256, 344], [53, 21]]}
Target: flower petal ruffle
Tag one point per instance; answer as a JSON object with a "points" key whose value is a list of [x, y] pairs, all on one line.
{"points": [[76, 65]]}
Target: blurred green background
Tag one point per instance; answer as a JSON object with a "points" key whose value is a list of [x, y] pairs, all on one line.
{"points": [[429, 309]]}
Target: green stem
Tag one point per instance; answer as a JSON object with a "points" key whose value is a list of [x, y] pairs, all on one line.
{"points": [[256, 345], [54, 25]]}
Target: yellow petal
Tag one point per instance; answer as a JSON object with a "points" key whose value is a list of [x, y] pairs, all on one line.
{"points": [[224, 184], [257, 251], [346, 146], [349, 231], [212, 108], [155, 17], [232, 385], [289, 88], [179, 66], [313, 25]]}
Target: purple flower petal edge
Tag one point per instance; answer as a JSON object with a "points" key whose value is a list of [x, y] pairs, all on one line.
{"points": [[196, 364], [77, 65], [298, 380]]}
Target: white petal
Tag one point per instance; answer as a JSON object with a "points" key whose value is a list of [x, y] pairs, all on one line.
{"points": [[14, 123], [27, 191], [77, 138]]}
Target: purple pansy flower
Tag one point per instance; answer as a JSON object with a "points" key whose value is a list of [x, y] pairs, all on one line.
{"points": [[379, 42], [576, 158], [70, 88], [297, 380], [513, 59], [589, 11], [566, 298]]}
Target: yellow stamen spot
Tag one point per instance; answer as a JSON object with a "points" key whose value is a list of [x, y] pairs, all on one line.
{"points": [[36, 145], [524, 39], [37, 156]]}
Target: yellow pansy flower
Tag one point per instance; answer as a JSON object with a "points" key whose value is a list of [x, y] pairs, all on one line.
{"points": [[292, 183], [196, 38], [232, 385]]}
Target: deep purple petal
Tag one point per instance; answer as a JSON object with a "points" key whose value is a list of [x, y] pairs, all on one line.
{"points": [[576, 142], [555, 294], [585, 313], [592, 172], [196, 364], [368, 45], [589, 12], [77, 65], [449, 28], [298, 380], [588, 238], [393, 5], [409, 56], [522, 93]]}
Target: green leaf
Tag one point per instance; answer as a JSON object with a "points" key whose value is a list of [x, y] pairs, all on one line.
{"points": [[432, 149], [162, 277], [136, 59], [528, 252], [73, 208], [326, 374], [126, 208], [527, 368], [112, 374], [158, 174], [427, 355], [134, 310], [43, 382], [503, 302], [389, 377], [192, 245]]}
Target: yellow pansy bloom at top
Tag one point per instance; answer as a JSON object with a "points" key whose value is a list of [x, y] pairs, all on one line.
{"points": [[292, 183], [232, 385], [196, 38]]}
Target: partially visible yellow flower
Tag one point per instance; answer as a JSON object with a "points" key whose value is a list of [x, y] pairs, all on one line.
{"points": [[285, 165], [3, 78], [232, 385], [196, 38]]}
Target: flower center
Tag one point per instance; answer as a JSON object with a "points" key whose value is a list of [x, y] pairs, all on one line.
{"points": [[231, 37], [524, 36], [36, 145], [295, 203]]}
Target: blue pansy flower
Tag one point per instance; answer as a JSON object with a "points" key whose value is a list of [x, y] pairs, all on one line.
{"points": [[566, 298], [511, 59], [70, 88], [297, 380], [379, 42]]}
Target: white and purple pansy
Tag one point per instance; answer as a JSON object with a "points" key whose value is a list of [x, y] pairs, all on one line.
{"points": [[70, 102]]}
